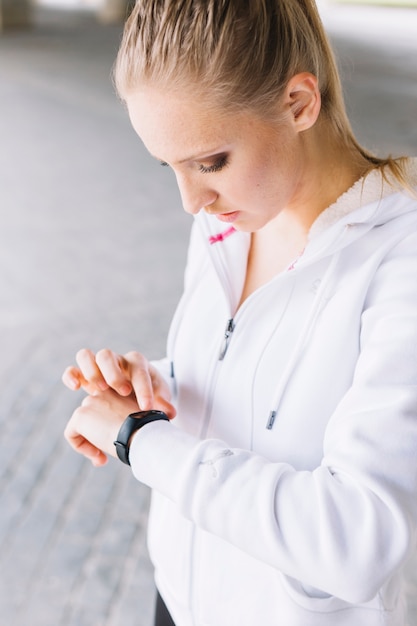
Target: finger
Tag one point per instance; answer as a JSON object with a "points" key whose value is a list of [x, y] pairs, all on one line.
{"points": [[141, 380], [161, 404], [99, 460], [86, 361], [72, 378], [162, 393], [115, 371], [84, 447]]}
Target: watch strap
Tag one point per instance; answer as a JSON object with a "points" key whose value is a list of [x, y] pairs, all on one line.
{"points": [[134, 422]]}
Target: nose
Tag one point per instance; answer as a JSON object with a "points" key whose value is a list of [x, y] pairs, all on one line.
{"points": [[194, 196]]}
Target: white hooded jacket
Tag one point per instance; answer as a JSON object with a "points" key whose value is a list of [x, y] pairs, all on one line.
{"points": [[285, 491]]}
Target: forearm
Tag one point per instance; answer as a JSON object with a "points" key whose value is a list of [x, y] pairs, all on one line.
{"points": [[331, 531]]}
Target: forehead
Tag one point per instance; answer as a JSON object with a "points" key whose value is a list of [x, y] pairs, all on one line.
{"points": [[175, 126]]}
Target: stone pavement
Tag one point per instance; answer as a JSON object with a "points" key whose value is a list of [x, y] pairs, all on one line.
{"points": [[92, 246]]}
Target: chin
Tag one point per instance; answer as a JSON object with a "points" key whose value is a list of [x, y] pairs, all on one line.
{"points": [[249, 226]]}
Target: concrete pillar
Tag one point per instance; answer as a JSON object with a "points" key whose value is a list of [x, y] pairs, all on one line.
{"points": [[112, 11], [14, 14]]}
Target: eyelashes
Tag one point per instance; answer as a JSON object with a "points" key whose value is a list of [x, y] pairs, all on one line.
{"points": [[220, 164], [216, 167]]}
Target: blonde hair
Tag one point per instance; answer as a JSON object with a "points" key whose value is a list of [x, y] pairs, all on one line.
{"points": [[239, 54]]}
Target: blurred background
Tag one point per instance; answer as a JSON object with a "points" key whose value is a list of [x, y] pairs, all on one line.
{"points": [[92, 248]]}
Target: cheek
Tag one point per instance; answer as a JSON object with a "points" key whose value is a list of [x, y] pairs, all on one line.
{"points": [[254, 177], [279, 173], [265, 183]]}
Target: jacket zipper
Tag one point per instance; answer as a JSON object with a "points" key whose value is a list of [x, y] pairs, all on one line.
{"points": [[194, 540], [230, 326]]}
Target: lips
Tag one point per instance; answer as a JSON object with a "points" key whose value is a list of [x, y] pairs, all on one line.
{"points": [[228, 217]]}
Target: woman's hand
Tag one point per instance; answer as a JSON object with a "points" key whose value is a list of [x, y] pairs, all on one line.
{"points": [[125, 375], [117, 386], [94, 426]]}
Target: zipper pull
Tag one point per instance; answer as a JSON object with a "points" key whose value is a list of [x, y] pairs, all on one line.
{"points": [[271, 420], [230, 326]]}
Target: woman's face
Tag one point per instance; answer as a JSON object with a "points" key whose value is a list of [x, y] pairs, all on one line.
{"points": [[241, 168]]}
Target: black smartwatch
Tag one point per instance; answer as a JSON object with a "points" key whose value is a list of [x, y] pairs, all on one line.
{"points": [[132, 423]]}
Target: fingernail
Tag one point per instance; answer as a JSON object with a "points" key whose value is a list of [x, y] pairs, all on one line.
{"points": [[73, 383], [103, 386]]}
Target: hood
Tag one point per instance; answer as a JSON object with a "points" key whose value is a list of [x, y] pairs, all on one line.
{"points": [[360, 209]]}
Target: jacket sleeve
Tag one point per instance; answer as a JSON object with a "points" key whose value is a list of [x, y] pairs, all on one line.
{"points": [[346, 526]]}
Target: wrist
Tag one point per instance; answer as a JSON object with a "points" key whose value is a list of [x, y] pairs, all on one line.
{"points": [[133, 423]]}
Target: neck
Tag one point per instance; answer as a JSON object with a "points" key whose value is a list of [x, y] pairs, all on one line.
{"points": [[330, 169]]}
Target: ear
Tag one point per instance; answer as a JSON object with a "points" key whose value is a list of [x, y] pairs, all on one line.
{"points": [[303, 101]]}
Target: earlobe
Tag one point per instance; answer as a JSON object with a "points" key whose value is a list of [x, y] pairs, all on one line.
{"points": [[303, 100]]}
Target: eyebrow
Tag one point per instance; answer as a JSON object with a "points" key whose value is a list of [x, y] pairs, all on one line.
{"points": [[199, 156], [204, 155]]}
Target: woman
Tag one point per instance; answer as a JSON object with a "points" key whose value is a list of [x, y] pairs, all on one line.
{"points": [[284, 491]]}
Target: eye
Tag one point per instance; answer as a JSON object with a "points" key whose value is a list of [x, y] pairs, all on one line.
{"points": [[163, 163], [216, 167]]}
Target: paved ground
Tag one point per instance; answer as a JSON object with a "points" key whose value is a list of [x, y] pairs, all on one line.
{"points": [[92, 246]]}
